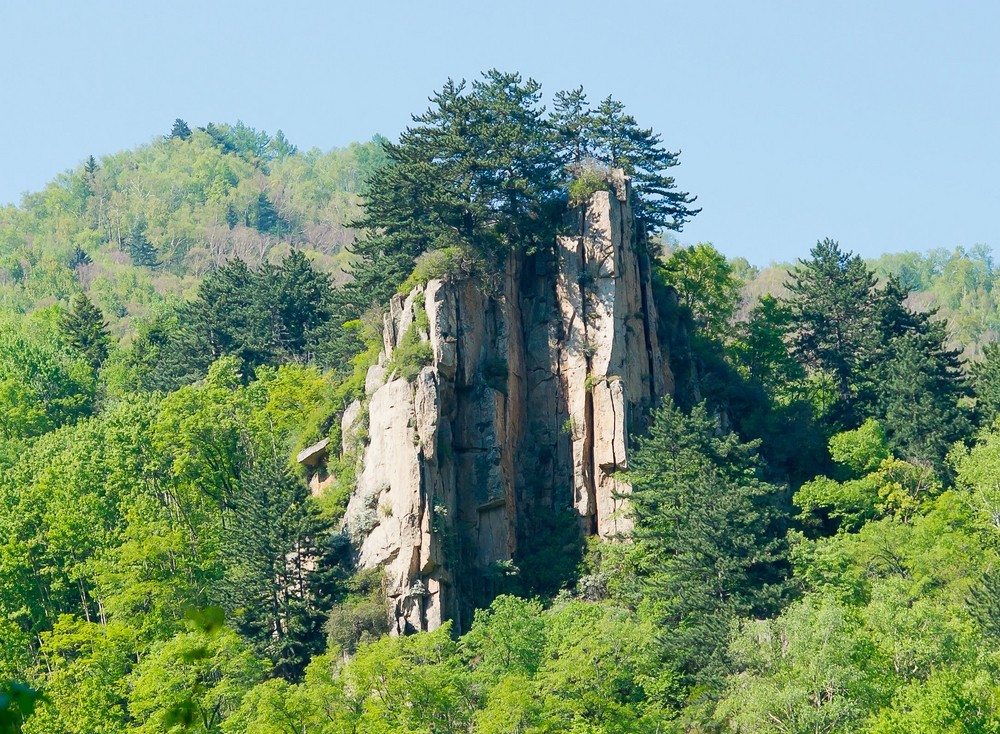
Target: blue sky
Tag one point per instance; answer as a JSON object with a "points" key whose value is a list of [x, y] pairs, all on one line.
{"points": [[874, 123]]}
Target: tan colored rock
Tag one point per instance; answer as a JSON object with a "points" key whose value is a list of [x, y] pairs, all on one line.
{"points": [[526, 405]]}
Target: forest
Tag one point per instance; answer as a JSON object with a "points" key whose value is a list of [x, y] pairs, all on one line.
{"points": [[816, 509]]}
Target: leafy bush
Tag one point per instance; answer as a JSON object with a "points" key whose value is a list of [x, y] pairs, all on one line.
{"points": [[450, 262], [411, 355], [363, 616], [585, 185]]}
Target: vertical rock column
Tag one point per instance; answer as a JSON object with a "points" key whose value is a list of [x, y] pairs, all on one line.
{"points": [[609, 361], [525, 403]]}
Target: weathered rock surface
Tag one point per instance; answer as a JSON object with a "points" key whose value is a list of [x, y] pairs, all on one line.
{"points": [[527, 403]]}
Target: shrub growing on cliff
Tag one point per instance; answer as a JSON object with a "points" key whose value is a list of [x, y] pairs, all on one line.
{"points": [[411, 356], [586, 185], [449, 262]]}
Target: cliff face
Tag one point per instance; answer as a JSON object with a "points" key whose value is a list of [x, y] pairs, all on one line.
{"points": [[525, 405]]}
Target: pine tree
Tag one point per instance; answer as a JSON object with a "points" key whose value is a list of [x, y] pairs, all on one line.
{"points": [[271, 549], [139, 249], [475, 171], [180, 130], [78, 258], [704, 526], [920, 383], [621, 143], [572, 122], [986, 383], [302, 305], [90, 167], [835, 320], [85, 331]]}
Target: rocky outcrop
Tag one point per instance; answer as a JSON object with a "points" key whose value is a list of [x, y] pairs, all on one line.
{"points": [[515, 402]]}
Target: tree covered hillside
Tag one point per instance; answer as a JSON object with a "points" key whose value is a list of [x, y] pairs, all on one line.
{"points": [[138, 227], [816, 510], [962, 285]]}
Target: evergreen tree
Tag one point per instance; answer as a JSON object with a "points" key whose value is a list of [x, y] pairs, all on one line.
{"points": [[263, 216], [180, 130], [986, 383], [86, 331], [271, 551], [280, 147], [302, 305], [835, 320], [621, 143], [705, 529], [78, 258], [90, 167], [476, 171], [760, 352], [572, 122], [139, 248], [920, 384]]}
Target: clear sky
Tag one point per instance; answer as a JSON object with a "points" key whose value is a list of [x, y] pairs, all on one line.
{"points": [[871, 122]]}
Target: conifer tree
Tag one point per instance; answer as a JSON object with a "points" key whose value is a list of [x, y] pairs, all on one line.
{"points": [[180, 130], [920, 384], [621, 143], [86, 331], [572, 122], [834, 319], [704, 525], [302, 302], [139, 248], [78, 258], [271, 552], [475, 171]]}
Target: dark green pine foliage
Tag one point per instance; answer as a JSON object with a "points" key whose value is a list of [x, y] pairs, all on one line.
{"points": [[760, 350], [272, 545], [485, 170], [921, 385], [228, 317], [301, 304], [609, 137], [474, 171], [621, 143], [231, 315], [78, 258], [835, 321], [280, 147], [918, 382], [885, 360], [263, 216], [180, 130], [138, 247], [572, 123], [985, 378], [85, 331], [705, 526], [91, 167], [266, 315]]}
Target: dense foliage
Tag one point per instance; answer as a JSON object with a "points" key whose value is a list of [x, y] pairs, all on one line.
{"points": [[816, 511]]}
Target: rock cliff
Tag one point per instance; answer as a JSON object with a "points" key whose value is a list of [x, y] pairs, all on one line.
{"points": [[520, 401]]}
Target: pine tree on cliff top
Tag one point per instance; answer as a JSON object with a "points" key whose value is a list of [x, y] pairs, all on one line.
{"points": [[620, 142], [485, 169], [474, 171]]}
